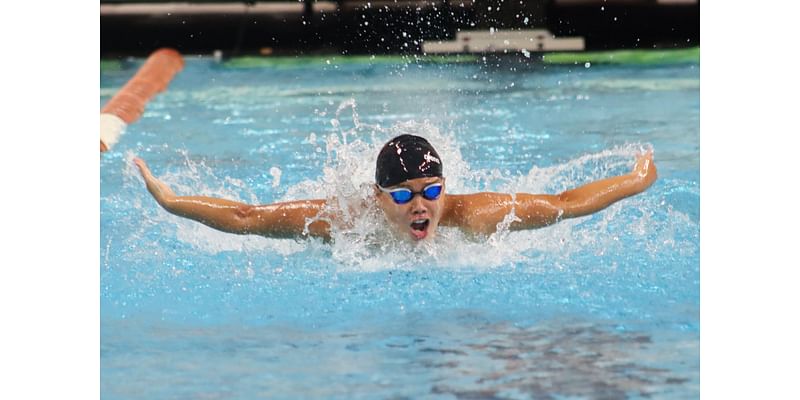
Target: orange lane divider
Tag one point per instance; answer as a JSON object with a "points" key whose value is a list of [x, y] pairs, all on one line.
{"points": [[128, 104]]}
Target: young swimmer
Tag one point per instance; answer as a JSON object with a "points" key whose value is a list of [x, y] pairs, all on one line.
{"points": [[410, 189]]}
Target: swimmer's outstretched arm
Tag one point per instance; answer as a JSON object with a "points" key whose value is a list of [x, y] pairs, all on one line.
{"points": [[481, 212], [279, 220]]}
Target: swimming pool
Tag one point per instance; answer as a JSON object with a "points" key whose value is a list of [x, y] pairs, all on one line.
{"points": [[605, 306]]}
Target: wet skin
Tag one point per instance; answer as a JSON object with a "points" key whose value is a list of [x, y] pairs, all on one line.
{"points": [[475, 213]]}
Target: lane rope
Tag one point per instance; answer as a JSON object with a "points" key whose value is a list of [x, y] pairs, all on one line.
{"points": [[128, 103]]}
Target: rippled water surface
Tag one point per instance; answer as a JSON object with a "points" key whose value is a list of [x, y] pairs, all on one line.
{"points": [[605, 306]]}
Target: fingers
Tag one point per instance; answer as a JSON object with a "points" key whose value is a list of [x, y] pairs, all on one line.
{"points": [[143, 169], [153, 185], [140, 164], [158, 189], [643, 162], [645, 167], [644, 159]]}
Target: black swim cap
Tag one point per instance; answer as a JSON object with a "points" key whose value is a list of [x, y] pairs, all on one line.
{"points": [[406, 157]]}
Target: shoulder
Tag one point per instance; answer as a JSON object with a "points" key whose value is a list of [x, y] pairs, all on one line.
{"points": [[465, 210], [481, 212], [477, 200]]}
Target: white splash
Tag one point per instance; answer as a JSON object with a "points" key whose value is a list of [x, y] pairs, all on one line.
{"points": [[275, 172], [361, 239]]}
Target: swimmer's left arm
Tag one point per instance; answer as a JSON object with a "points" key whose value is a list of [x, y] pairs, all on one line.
{"points": [[482, 212], [540, 210]]}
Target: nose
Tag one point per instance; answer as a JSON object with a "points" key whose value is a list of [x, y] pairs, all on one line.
{"points": [[418, 206]]}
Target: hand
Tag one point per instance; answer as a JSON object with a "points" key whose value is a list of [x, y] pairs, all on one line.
{"points": [[158, 189], [645, 168]]}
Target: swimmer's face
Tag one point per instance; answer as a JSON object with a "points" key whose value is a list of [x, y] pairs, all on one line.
{"points": [[419, 218]]}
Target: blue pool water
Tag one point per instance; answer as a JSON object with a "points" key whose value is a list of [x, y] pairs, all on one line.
{"points": [[605, 306]]}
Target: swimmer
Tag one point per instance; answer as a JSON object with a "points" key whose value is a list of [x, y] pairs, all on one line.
{"points": [[410, 189]]}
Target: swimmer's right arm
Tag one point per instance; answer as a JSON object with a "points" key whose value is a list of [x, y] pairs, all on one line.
{"points": [[279, 220]]}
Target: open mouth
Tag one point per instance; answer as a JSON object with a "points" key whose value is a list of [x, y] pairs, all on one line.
{"points": [[419, 228]]}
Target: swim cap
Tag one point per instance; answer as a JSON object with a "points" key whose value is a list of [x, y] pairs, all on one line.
{"points": [[406, 157]]}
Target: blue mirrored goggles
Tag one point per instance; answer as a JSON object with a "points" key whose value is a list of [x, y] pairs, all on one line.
{"points": [[404, 195]]}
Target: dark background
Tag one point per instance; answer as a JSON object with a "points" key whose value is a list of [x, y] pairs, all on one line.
{"points": [[353, 27]]}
